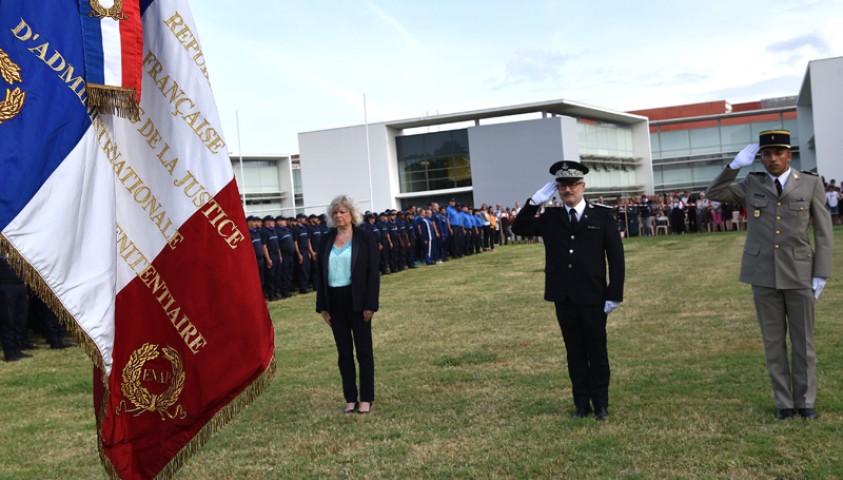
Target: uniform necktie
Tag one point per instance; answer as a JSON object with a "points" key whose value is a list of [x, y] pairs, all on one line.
{"points": [[573, 213], [779, 187]]}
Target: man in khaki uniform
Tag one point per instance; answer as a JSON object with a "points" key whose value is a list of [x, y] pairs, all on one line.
{"points": [[786, 274]]}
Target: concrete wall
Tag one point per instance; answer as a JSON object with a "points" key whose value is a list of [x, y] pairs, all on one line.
{"points": [[826, 77], [510, 161], [333, 162]]}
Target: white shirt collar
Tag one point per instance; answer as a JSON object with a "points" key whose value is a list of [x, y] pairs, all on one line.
{"points": [[580, 207], [782, 178]]}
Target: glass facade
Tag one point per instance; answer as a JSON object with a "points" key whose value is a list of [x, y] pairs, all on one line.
{"points": [[688, 156], [433, 161], [698, 140], [606, 149], [605, 139]]}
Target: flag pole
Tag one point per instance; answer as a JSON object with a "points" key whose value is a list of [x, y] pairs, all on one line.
{"points": [[368, 155], [240, 153]]}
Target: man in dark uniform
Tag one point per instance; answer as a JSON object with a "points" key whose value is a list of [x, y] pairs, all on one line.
{"points": [[259, 241], [411, 235], [580, 238], [441, 216], [787, 275], [396, 243], [305, 253], [470, 231], [13, 312], [288, 255], [272, 273], [385, 242], [315, 233]]}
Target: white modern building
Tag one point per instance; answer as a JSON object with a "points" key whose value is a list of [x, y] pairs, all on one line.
{"points": [[501, 155], [498, 155], [268, 184], [820, 116]]}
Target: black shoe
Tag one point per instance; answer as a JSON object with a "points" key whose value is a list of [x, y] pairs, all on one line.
{"points": [[581, 413], [62, 344], [808, 413], [10, 356], [20, 354], [601, 413], [28, 346], [784, 413]]}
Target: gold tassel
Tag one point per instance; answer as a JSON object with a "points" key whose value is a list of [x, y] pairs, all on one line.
{"points": [[33, 280], [113, 100], [223, 417]]}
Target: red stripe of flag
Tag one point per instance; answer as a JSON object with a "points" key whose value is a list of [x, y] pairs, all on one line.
{"points": [[131, 39], [218, 289]]}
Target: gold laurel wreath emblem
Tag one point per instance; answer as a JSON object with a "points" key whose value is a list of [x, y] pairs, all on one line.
{"points": [[115, 11], [141, 399], [12, 105]]}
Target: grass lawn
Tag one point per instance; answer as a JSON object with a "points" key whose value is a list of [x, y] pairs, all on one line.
{"points": [[471, 383]]}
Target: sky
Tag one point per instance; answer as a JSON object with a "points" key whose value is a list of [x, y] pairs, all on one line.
{"points": [[280, 67]]}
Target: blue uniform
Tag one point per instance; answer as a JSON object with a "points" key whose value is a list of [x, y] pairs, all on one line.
{"points": [[455, 242]]}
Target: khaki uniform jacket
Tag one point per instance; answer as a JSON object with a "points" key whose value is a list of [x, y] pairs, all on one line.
{"points": [[777, 253]]}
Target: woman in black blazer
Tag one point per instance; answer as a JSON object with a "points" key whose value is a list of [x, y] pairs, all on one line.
{"points": [[347, 288]]}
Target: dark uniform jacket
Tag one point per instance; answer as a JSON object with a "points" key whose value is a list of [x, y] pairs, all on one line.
{"points": [[365, 276], [576, 259], [777, 253]]}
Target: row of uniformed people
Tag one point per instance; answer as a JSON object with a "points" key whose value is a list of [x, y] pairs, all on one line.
{"points": [[426, 236], [466, 226], [285, 248]]}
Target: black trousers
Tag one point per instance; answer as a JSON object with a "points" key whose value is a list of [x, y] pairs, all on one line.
{"points": [[455, 242], [273, 276], [584, 330], [287, 265], [351, 331], [302, 272], [384, 257], [14, 307]]}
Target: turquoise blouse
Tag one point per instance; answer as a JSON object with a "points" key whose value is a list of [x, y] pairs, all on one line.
{"points": [[339, 266]]}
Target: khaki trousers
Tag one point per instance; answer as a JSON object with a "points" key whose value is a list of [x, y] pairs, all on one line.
{"points": [[779, 311]]}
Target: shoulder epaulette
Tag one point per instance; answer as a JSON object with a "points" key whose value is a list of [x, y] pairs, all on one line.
{"points": [[811, 173], [601, 205]]}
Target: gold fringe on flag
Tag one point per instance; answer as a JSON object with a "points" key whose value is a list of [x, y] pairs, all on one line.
{"points": [[221, 419], [108, 99], [34, 281]]}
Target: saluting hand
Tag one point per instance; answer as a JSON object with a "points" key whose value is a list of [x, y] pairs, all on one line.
{"points": [[544, 194], [745, 157]]}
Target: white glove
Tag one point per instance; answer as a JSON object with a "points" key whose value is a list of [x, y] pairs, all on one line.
{"points": [[610, 305], [544, 194], [745, 157], [817, 285]]}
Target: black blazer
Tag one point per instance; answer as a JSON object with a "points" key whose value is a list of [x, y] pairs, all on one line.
{"points": [[365, 275], [576, 259]]}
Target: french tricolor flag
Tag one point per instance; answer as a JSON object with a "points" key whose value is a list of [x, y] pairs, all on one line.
{"points": [[132, 229]]}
